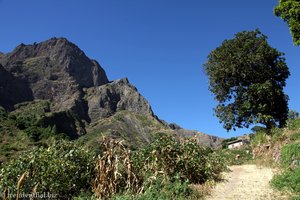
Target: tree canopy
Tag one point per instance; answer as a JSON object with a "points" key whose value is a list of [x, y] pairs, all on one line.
{"points": [[247, 77], [289, 11]]}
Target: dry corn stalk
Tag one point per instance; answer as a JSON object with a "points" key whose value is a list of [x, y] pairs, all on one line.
{"points": [[20, 182], [113, 169]]}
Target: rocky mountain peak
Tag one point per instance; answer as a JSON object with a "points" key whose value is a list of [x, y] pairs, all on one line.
{"points": [[62, 56]]}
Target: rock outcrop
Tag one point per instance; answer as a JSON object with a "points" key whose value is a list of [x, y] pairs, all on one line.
{"points": [[106, 100]]}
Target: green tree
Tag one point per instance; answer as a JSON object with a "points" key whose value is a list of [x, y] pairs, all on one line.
{"points": [[293, 114], [289, 11], [247, 77]]}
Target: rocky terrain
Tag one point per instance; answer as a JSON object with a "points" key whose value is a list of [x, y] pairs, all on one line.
{"points": [[76, 96]]}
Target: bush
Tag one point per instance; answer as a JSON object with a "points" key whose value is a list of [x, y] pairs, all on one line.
{"points": [[170, 157], [290, 154], [159, 171], [161, 190], [295, 136], [289, 180], [278, 134], [229, 156], [62, 169], [293, 124], [259, 138]]}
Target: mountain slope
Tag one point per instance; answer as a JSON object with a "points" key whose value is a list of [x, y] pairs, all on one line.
{"points": [[81, 101]]}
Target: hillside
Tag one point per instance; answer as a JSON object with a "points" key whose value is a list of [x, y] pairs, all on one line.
{"points": [[54, 87]]}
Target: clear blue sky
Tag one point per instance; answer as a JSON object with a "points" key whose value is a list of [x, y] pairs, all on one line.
{"points": [[160, 45]]}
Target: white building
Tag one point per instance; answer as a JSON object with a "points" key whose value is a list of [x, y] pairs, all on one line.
{"points": [[236, 144]]}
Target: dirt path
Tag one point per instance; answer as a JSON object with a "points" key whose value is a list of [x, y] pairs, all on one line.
{"points": [[246, 182]]}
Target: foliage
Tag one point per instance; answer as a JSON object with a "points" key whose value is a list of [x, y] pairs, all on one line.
{"points": [[256, 129], [30, 114], [259, 138], [293, 124], [295, 136], [175, 189], [160, 170], [293, 114], [289, 11], [229, 156], [62, 169], [277, 134], [170, 157], [26, 127], [247, 77], [290, 154], [288, 180]]}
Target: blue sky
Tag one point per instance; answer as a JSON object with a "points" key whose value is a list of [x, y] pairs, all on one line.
{"points": [[160, 45]]}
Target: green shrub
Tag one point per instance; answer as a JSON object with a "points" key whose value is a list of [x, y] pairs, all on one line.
{"points": [[62, 169], [171, 157], [290, 154], [293, 124], [288, 180], [295, 136], [175, 189], [277, 134], [3, 113], [37, 133], [162, 170], [259, 138], [229, 156]]}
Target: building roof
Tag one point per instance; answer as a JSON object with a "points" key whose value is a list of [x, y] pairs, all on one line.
{"points": [[235, 141]]}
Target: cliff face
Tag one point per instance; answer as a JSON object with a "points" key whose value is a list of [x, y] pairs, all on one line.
{"points": [[80, 96], [10, 86], [104, 101]]}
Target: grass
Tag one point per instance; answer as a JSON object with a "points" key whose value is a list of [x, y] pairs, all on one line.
{"points": [[290, 154], [288, 181], [164, 191], [295, 136], [137, 130]]}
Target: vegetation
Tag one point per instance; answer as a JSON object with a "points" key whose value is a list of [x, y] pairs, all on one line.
{"points": [[162, 170], [247, 77], [289, 11], [290, 154], [236, 156], [280, 148], [293, 114], [27, 126], [62, 169], [288, 180], [175, 189]]}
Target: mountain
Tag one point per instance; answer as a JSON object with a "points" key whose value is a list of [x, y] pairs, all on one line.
{"points": [[54, 85]]}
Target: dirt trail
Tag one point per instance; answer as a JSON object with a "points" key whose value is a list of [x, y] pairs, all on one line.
{"points": [[246, 182]]}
